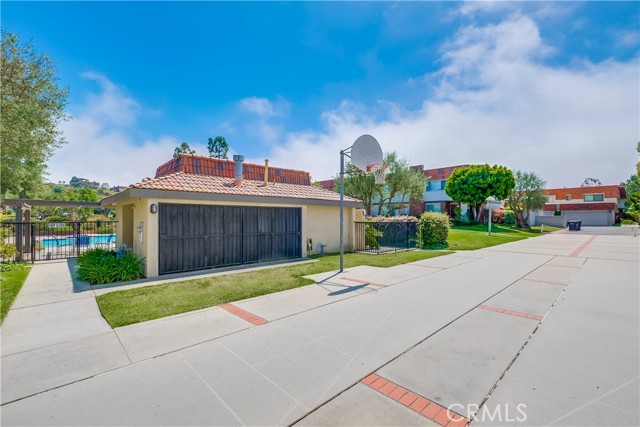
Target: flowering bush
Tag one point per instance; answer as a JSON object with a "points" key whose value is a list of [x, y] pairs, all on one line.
{"points": [[497, 216]]}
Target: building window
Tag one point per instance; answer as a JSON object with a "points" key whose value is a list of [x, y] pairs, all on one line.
{"points": [[594, 197], [568, 197], [550, 199], [436, 185], [434, 207]]}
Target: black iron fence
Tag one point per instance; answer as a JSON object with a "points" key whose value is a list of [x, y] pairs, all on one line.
{"points": [[379, 237], [37, 241]]}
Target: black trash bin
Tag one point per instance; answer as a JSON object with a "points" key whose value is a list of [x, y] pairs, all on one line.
{"points": [[574, 225]]}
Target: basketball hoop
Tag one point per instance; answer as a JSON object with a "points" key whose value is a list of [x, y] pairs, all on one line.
{"points": [[366, 155], [378, 171]]}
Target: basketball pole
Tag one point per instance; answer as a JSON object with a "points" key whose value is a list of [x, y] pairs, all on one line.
{"points": [[342, 153]]}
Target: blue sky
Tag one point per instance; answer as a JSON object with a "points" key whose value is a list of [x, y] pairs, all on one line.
{"points": [[545, 87]]}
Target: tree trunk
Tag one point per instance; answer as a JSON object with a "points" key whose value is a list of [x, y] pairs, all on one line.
{"points": [[525, 219]]}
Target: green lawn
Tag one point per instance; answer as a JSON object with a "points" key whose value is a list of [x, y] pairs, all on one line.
{"points": [[466, 238], [10, 284], [152, 302]]}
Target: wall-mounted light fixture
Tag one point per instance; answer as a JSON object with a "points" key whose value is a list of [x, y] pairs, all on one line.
{"points": [[154, 208]]}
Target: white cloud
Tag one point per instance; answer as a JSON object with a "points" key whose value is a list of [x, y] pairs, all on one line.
{"points": [[99, 142], [111, 103], [497, 102], [260, 106], [263, 127]]}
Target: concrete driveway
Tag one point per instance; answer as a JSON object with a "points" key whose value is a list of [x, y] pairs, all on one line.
{"points": [[542, 331]]}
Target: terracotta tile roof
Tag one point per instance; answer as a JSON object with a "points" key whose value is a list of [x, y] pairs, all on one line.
{"points": [[196, 183], [327, 184], [437, 174], [595, 206], [202, 165], [610, 191]]}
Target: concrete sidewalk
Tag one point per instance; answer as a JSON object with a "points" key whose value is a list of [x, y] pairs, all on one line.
{"points": [[55, 334], [445, 331]]}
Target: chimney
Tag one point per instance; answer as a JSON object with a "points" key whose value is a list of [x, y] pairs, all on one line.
{"points": [[266, 172], [238, 159]]}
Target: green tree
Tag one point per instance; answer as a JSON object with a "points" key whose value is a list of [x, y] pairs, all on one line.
{"points": [[31, 109], [632, 188], [590, 182], [360, 185], [70, 195], [183, 149], [473, 184], [527, 195], [401, 181], [76, 182], [218, 147]]}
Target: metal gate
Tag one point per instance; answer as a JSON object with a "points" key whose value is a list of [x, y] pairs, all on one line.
{"points": [[385, 236], [39, 241], [195, 237]]}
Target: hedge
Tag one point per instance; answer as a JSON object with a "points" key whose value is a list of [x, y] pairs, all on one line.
{"points": [[433, 229]]}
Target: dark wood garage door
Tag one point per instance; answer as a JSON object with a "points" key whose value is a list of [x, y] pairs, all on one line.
{"points": [[195, 237]]}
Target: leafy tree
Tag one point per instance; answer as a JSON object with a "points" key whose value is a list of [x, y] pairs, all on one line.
{"points": [[72, 195], [590, 182], [528, 195], [76, 182], [218, 147], [183, 149], [400, 180], [360, 185], [632, 187], [473, 184], [638, 164], [31, 108]]}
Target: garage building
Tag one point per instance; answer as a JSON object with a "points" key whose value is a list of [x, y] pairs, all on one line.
{"points": [[200, 213]]}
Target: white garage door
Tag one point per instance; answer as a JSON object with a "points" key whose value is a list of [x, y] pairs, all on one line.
{"points": [[590, 217]]}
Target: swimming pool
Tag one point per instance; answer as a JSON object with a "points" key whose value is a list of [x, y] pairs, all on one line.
{"points": [[95, 239]]}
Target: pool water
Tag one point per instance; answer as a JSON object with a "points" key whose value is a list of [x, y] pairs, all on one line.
{"points": [[98, 239]]}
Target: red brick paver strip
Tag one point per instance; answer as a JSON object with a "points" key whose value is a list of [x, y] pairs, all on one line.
{"points": [[583, 246], [243, 314], [420, 404], [550, 282], [510, 312], [364, 282]]}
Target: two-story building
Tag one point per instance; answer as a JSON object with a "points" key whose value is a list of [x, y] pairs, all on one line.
{"points": [[596, 205], [435, 198]]}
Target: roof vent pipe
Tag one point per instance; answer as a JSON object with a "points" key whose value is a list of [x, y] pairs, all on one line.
{"points": [[266, 172], [238, 159]]}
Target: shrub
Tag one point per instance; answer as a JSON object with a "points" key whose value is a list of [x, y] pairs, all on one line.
{"points": [[628, 222], [8, 251], [371, 236], [497, 216], [433, 229], [57, 218], [399, 218], [14, 266], [98, 266], [463, 220], [509, 217]]}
